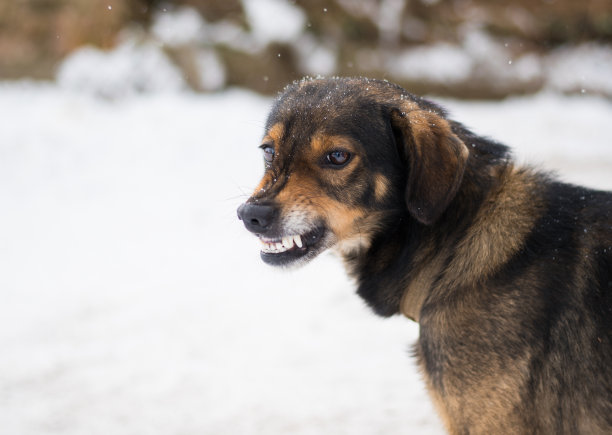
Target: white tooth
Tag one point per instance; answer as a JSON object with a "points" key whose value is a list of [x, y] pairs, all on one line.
{"points": [[279, 246], [298, 241], [288, 242]]}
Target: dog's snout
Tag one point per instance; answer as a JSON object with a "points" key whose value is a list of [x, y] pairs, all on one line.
{"points": [[257, 218]]}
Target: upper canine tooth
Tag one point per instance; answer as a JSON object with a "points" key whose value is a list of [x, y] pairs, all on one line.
{"points": [[298, 241]]}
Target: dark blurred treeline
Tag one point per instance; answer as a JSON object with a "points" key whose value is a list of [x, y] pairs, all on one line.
{"points": [[361, 37]]}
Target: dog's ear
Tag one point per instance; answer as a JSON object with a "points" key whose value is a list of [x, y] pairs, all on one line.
{"points": [[436, 159]]}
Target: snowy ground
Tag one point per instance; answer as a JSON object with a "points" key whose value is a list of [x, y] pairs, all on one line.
{"points": [[133, 301]]}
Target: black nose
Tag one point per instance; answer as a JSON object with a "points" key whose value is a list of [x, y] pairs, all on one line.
{"points": [[257, 218]]}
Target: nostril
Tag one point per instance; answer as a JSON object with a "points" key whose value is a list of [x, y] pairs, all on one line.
{"points": [[260, 222], [257, 218]]}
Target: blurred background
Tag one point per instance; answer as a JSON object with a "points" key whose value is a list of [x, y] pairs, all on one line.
{"points": [[458, 48], [133, 301]]}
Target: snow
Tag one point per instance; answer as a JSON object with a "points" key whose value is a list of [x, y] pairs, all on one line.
{"points": [[140, 64], [572, 69], [315, 58], [565, 134], [438, 63], [134, 302], [274, 20], [179, 27], [132, 67], [586, 68], [211, 69]]}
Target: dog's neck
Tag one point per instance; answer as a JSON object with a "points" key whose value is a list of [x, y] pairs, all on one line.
{"points": [[408, 263]]}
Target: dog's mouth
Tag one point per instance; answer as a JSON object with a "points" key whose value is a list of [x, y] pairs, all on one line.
{"points": [[284, 250]]}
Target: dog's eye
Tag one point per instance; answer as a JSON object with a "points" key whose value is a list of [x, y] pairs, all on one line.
{"points": [[268, 153], [338, 158]]}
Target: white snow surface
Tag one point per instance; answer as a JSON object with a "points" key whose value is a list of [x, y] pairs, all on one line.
{"points": [[182, 26], [586, 68], [274, 20], [132, 67], [438, 63], [134, 302]]}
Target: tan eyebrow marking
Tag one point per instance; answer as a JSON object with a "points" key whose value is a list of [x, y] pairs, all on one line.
{"points": [[322, 143], [275, 133], [381, 186]]}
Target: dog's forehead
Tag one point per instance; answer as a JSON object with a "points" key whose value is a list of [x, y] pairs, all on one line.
{"points": [[313, 108], [338, 107]]}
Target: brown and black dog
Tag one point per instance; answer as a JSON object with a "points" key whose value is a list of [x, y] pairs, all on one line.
{"points": [[507, 271]]}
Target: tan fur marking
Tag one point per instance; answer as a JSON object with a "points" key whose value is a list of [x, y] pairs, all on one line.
{"points": [[318, 144], [323, 143], [303, 192], [358, 236], [352, 227], [499, 229], [495, 395], [381, 186], [275, 134], [426, 125], [298, 190], [422, 281], [341, 219], [273, 137]]}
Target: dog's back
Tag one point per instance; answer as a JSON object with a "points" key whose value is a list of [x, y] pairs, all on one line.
{"points": [[529, 349]]}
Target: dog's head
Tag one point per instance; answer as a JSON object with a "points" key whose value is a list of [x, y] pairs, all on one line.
{"points": [[342, 154]]}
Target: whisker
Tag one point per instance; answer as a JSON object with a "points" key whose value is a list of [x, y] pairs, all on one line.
{"points": [[232, 198]]}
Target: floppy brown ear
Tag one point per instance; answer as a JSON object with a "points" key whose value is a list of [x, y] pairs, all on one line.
{"points": [[436, 160]]}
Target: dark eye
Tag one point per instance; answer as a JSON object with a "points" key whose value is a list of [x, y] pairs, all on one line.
{"points": [[268, 153], [338, 158]]}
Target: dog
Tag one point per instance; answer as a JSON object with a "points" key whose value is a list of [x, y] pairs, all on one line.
{"points": [[507, 270]]}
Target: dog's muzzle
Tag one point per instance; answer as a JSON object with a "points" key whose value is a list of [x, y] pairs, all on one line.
{"points": [[280, 245]]}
